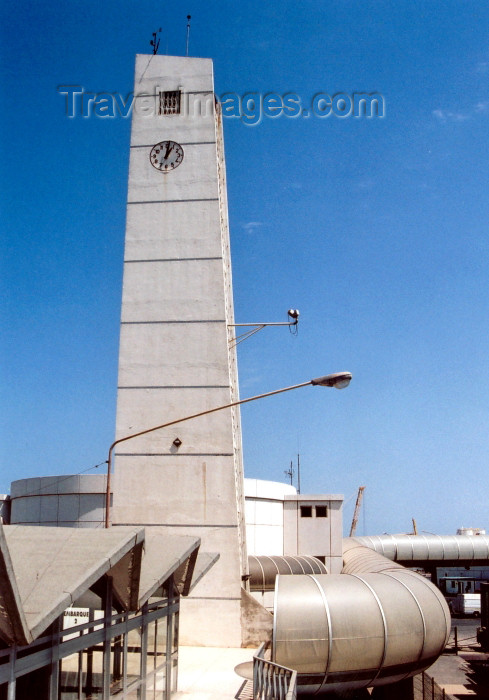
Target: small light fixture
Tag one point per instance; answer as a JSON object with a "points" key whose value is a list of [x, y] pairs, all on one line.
{"points": [[339, 380], [177, 442]]}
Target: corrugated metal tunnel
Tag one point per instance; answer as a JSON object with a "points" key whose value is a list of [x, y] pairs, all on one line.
{"points": [[423, 548], [376, 623], [264, 569]]}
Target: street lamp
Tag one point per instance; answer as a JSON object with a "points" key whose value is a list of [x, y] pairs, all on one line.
{"points": [[338, 380]]}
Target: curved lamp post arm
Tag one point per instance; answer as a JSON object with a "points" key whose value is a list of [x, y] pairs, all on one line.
{"points": [[339, 380]]}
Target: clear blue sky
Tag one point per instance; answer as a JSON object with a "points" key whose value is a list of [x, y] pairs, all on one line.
{"points": [[376, 229]]}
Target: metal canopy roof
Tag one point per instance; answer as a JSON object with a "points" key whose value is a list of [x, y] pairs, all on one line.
{"points": [[43, 570]]}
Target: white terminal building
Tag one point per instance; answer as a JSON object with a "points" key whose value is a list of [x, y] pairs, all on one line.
{"points": [[183, 520]]}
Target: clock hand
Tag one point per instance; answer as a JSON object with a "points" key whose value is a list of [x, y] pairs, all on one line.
{"points": [[169, 149]]}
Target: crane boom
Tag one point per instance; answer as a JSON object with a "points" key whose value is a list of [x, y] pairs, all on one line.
{"points": [[356, 512]]}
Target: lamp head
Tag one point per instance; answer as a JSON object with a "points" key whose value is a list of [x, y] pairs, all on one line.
{"points": [[339, 380]]}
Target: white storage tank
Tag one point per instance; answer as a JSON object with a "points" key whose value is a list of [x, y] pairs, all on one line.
{"points": [[67, 500]]}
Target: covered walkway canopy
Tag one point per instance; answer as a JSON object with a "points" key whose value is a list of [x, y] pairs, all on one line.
{"points": [[44, 570]]}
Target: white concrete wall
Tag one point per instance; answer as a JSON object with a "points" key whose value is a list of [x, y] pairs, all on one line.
{"points": [[265, 598], [264, 502], [174, 357]]}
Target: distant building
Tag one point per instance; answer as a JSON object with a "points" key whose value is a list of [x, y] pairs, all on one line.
{"points": [[279, 521], [470, 531]]}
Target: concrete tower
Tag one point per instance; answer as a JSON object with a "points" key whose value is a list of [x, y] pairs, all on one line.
{"points": [[174, 356]]}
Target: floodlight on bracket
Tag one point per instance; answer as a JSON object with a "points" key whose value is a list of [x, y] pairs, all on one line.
{"points": [[292, 322]]}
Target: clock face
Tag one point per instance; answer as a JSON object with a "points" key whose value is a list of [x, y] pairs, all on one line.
{"points": [[166, 156]]}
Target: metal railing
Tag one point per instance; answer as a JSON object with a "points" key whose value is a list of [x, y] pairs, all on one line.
{"points": [[425, 688], [272, 681]]}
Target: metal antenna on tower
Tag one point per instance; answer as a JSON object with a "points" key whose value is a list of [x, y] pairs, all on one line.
{"points": [[155, 42], [290, 473], [188, 33]]}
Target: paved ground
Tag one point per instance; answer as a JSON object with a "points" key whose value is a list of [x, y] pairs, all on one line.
{"points": [[466, 675], [450, 673], [207, 673]]}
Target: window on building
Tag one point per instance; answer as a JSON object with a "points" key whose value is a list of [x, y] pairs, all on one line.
{"points": [[170, 102], [306, 511], [321, 511]]}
